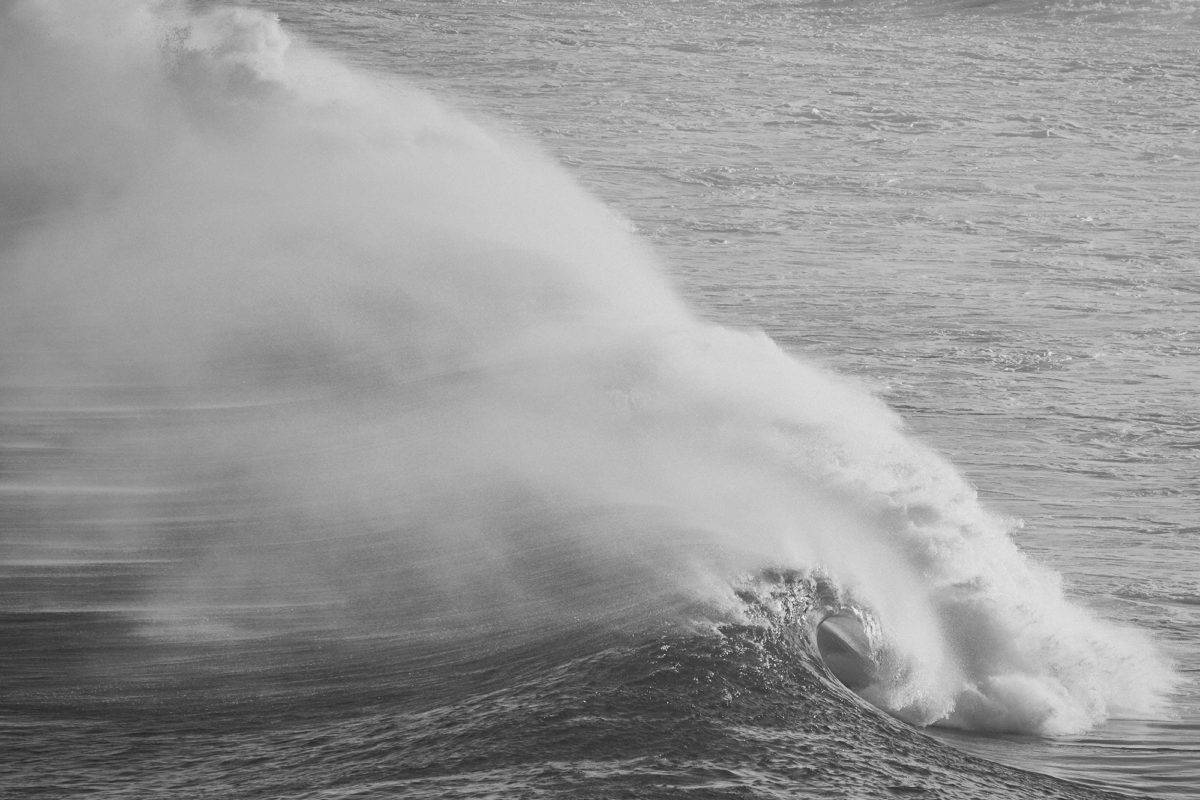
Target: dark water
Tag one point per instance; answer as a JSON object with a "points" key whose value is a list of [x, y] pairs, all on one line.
{"points": [[738, 711], [349, 449], [729, 716]]}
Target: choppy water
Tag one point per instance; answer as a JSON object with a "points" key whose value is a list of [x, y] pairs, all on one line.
{"points": [[347, 448]]}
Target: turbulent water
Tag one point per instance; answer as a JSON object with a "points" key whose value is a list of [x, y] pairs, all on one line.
{"points": [[505, 399]]}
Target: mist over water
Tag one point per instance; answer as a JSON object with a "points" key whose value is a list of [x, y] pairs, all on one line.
{"points": [[337, 361]]}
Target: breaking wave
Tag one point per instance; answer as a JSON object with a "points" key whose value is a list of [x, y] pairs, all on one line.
{"points": [[310, 353]]}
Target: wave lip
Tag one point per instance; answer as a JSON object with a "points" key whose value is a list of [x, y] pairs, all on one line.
{"points": [[846, 649]]}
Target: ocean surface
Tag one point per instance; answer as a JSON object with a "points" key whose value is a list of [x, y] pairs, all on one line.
{"points": [[627, 399]]}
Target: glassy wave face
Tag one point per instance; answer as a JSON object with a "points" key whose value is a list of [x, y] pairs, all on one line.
{"points": [[314, 392]]}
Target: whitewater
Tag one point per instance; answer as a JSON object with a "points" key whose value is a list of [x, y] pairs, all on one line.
{"points": [[374, 422]]}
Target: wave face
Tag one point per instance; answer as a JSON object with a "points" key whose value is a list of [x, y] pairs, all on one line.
{"points": [[296, 362]]}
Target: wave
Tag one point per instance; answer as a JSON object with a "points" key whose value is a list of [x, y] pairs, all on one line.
{"points": [[310, 354]]}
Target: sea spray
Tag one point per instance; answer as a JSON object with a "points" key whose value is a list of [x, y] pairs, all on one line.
{"points": [[344, 362]]}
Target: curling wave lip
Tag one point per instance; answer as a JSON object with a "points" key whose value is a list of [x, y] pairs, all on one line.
{"points": [[845, 649]]}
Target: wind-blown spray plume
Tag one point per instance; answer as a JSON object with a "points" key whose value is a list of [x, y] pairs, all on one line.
{"points": [[337, 360]]}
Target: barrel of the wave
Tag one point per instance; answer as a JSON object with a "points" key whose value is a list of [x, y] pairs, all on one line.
{"points": [[846, 651]]}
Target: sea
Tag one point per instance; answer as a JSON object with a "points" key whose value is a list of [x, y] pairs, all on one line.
{"points": [[600, 399]]}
